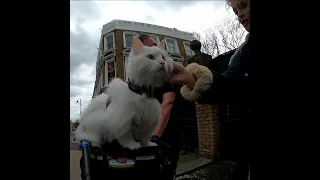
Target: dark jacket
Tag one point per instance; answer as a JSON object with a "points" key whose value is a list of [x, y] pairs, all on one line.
{"points": [[233, 100], [231, 87]]}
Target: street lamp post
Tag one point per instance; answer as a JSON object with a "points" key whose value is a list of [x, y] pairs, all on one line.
{"points": [[79, 101]]}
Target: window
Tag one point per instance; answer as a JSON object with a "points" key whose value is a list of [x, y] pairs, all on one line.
{"points": [[128, 39], [109, 41], [110, 70], [172, 45], [187, 48]]}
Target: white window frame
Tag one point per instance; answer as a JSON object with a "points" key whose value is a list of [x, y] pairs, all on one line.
{"points": [[175, 42], [113, 58], [124, 37], [125, 61], [105, 42], [184, 44]]}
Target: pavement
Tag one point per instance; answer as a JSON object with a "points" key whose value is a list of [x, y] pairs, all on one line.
{"points": [[75, 165]]}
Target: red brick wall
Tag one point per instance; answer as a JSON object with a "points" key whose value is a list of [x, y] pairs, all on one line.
{"points": [[208, 129]]}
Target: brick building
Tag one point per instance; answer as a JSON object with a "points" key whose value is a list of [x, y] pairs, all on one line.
{"points": [[116, 42]]}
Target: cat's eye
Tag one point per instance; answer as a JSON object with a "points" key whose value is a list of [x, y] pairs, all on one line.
{"points": [[151, 57], [163, 58]]}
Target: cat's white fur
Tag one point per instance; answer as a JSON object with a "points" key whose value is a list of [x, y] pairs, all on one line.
{"points": [[130, 118]]}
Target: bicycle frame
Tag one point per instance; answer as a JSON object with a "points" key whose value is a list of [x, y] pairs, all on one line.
{"points": [[86, 159]]}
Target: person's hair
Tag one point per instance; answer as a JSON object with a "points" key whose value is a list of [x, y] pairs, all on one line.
{"points": [[228, 2]]}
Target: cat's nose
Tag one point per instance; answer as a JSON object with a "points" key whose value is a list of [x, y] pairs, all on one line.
{"points": [[162, 63]]}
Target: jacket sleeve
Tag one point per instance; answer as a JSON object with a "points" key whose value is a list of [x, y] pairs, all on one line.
{"points": [[211, 86]]}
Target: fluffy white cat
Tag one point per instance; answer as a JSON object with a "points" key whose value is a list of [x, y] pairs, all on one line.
{"points": [[128, 112]]}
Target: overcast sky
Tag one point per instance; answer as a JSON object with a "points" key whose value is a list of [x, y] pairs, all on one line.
{"points": [[87, 17]]}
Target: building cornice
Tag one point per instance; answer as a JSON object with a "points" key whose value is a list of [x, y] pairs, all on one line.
{"points": [[146, 28]]}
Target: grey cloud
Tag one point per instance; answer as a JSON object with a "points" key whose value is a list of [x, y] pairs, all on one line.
{"points": [[82, 48], [74, 91], [149, 18], [79, 82], [83, 11], [82, 51], [82, 44]]}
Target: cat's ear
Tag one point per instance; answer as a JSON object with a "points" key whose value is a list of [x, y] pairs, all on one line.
{"points": [[162, 44], [137, 45]]}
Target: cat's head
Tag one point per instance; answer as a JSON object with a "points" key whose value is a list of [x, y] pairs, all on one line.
{"points": [[148, 66]]}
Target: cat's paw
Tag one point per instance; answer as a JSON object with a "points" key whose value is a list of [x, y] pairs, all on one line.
{"points": [[134, 146], [149, 144], [152, 144]]}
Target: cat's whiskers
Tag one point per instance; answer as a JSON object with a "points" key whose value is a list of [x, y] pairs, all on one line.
{"points": [[145, 75], [149, 81]]}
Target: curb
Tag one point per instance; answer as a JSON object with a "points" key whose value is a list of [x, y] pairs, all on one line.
{"points": [[192, 166]]}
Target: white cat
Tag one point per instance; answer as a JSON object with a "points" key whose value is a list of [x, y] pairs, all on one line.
{"points": [[131, 113]]}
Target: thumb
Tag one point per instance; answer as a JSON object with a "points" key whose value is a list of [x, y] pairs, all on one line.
{"points": [[178, 68]]}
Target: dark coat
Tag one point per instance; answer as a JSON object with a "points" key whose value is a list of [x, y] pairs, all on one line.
{"points": [[231, 92]]}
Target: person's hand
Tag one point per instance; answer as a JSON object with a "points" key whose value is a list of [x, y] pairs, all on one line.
{"points": [[182, 76], [155, 139]]}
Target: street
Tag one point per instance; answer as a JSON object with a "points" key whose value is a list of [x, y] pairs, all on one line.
{"points": [[214, 171]]}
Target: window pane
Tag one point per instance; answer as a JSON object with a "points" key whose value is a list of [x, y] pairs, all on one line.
{"points": [[110, 39], [188, 48], [129, 44], [110, 45], [170, 44], [129, 37], [171, 49]]}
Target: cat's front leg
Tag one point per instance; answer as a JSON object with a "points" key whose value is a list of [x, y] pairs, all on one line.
{"points": [[145, 139], [127, 141]]}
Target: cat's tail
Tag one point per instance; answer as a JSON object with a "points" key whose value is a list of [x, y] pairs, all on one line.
{"points": [[99, 102]]}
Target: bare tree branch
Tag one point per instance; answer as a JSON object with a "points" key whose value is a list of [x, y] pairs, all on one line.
{"points": [[222, 38]]}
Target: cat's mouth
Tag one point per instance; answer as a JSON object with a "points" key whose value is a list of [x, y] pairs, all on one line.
{"points": [[165, 70]]}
